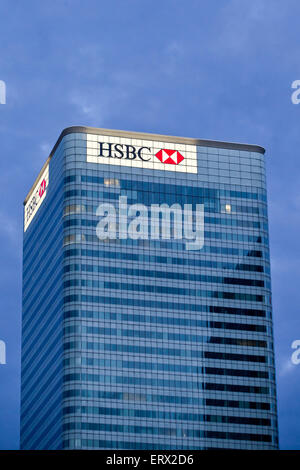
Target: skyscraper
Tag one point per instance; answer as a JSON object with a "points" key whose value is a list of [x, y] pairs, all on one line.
{"points": [[147, 315]]}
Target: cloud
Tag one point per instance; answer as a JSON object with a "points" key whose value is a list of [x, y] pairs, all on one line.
{"points": [[242, 25], [46, 148], [10, 231], [286, 367], [89, 62], [89, 104]]}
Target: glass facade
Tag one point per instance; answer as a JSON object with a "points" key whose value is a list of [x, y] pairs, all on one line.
{"points": [[140, 343]]}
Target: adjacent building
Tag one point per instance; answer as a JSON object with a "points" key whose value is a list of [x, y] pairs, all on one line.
{"points": [[147, 311]]}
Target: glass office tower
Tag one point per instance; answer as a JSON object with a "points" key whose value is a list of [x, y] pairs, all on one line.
{"points": [[147, 341]]}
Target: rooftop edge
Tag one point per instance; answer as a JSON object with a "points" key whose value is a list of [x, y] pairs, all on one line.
{"points": [[145, 136]]}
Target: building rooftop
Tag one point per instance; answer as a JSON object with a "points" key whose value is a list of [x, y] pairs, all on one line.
{"points": [[146, 136]]}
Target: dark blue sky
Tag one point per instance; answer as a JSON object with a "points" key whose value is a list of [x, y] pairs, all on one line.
{"points": [[213, 69]]}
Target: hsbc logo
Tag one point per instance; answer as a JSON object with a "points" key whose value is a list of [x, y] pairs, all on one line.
{"points": [[144, 154], [130, 152], [170, 157], [35, 199], [37, 196], [42, 188]]}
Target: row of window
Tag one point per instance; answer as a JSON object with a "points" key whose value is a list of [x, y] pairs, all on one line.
{"points": [[224, 236], [159, 290], [168, 399], [171, 432], [162, 335], [210, 205], [159, 367], [153, 319], [171, 244], [133, 445], [160, 304], [142, 349], [169, 260], [165, 415], [153, 187], [165, 383], [93, 268], [250, 224]]}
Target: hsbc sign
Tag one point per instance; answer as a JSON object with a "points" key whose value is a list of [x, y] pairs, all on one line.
{"points": [[36, 198], [146, 154], [170, 157], [129, 152]]}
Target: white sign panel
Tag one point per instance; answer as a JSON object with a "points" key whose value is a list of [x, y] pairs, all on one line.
{"points": [[38, 195], [153, 155]]}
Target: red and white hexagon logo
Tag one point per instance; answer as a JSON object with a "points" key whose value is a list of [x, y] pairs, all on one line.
{"points": [[170, 157], [42, 188]]}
